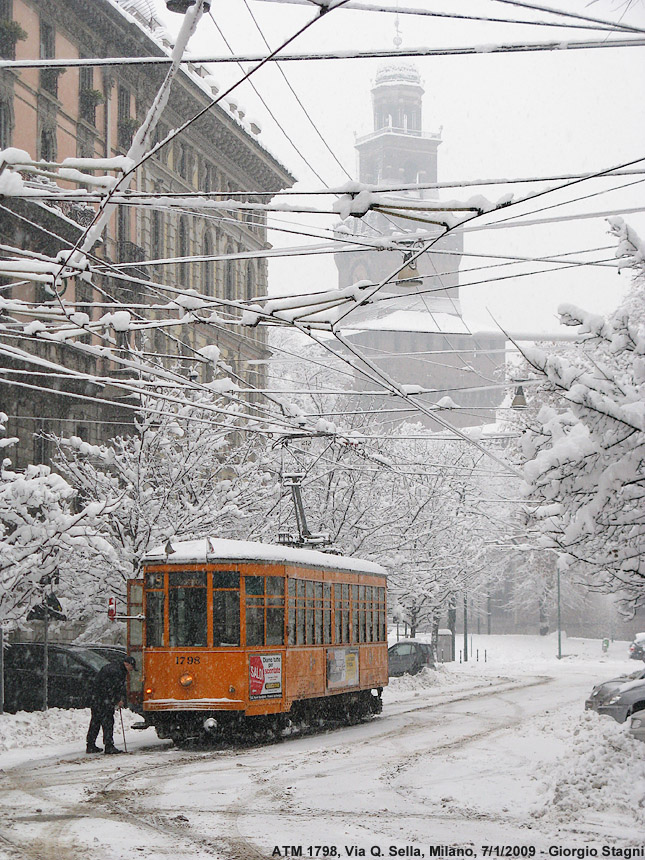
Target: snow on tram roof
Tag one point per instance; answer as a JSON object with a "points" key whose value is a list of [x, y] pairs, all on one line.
{"points": [[215, 549]]}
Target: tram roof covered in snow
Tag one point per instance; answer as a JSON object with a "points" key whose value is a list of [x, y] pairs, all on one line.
{"points": [[218, 549]]}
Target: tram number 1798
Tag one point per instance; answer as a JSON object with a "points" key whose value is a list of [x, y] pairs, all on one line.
{"points": [[186, 660]]}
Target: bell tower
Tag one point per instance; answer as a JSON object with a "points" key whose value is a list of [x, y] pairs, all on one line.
{"points": [[398, 150]]}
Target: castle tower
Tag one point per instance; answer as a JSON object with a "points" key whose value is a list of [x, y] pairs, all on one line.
{"points": [[416, 330], [398, 151]]}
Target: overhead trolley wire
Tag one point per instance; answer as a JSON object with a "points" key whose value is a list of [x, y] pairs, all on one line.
{"points": [[385, 53]]}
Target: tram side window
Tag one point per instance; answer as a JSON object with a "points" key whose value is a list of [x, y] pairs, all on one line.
{"points": [[275, 610], [187, 609], [326, 612], [369, 630], [300, 611], [264, 610], [354, 613], [341, 606], [291, 615], [154, 619], [382, 635], [226, 608]]}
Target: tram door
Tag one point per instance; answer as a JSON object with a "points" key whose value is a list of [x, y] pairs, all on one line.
{"points": [[135, 640]]}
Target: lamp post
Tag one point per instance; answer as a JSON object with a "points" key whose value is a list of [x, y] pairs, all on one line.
{"points": [[559, 616], [465, 628]]}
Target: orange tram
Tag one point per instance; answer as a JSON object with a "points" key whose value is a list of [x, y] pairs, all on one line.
{"points": [[231, 634]]}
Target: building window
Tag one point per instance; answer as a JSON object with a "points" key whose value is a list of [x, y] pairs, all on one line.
{"points": [[10, 31], [209, 178], [182, 251], [88, 97], [229, 277], [123, 226], [184, 161], [126, 124], [84, 306], [123, 104], [250, 281], [208, 286], [85, 146], [157, 235], [161, 133], [48, 144], [5, 124], [48, 77]]}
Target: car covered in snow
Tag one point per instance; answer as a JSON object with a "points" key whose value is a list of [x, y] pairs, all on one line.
{"points": [[637, 647], [409, 657], [626, 700], [602, 693], [71, 672]]}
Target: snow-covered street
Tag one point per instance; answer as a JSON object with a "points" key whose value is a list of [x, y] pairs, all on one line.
{"points": [[483, 754]]}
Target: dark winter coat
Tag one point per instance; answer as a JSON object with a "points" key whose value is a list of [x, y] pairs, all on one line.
{"points": [[109, 685]]}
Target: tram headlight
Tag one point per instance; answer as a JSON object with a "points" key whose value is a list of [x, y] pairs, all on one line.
{"points": [[186, 680], [210, 724], [148, 691]]}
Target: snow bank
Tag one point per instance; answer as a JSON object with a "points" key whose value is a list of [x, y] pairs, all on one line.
{"points": [[53, 727], [601, 769]]}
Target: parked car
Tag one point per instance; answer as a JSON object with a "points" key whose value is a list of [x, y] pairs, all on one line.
{"points": [[409, 657], [110, 652], [602, 693], [71, 671], [637, 647], [625, 700]]}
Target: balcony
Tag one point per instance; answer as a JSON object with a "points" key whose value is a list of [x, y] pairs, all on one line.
{"points": [[398, 132]]}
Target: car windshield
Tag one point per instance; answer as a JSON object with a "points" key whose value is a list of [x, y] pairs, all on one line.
{"points": [[91, 658]]}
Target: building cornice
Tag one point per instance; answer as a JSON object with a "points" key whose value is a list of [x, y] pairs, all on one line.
{"points": [[84, 20]]}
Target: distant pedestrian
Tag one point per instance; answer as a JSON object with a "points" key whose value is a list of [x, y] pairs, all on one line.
{"points": [[109, 691]]}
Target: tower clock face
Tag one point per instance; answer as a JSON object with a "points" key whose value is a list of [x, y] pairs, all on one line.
{"points": [[360, 273]]}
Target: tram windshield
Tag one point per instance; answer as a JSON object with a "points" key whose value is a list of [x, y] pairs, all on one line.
{"points": [[187, 609]]}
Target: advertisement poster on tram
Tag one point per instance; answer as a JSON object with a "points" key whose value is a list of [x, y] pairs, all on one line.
{"points": [[265, 676], [342, 668]]}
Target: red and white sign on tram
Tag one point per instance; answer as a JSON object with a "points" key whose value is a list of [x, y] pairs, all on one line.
{"points": [[265, 676]]}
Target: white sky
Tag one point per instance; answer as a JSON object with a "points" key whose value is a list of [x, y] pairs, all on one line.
{"points": [[503, 116]]}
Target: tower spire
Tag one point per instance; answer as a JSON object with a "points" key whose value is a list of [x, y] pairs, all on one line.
{"points": [[398, 39]]}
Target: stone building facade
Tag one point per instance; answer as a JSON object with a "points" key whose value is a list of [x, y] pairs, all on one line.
{"points": [[93, 112]]}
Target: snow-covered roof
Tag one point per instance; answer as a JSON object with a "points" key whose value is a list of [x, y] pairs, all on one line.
{"points": [[398, 71], [138, 12], [218, 549], [419, 321]]}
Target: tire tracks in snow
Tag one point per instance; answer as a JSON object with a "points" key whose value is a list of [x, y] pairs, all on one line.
{"points": [[113, 800]]}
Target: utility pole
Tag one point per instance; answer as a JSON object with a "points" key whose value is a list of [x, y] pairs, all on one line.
{"points": [[452, 624], [465, 628], [559, 616], [45, 655]]}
